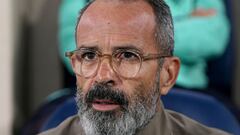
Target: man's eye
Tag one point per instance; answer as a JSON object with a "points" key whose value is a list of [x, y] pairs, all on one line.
{"points": [[130, 56], [89, 56]]}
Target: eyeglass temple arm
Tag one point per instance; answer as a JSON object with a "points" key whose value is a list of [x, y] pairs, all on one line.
{"points": [[69, 54], [154, 56]]}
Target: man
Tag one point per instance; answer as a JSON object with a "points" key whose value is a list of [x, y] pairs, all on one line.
{"points": [[123, 63]]}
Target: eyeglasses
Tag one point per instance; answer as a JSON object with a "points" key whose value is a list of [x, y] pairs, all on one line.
{"points": [[125, 62]]}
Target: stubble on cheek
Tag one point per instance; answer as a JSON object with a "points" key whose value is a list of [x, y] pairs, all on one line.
{"points": [[142, 94]]}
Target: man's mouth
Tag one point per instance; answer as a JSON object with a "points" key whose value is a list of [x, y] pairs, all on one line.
{"points": [[104, 105]]}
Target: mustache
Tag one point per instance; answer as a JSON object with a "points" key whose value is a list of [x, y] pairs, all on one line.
{"points": [[104, 92]]}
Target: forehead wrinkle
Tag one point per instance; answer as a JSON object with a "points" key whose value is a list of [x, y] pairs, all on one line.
{"points": [[98, 35], [102, 33], [110, 43]]}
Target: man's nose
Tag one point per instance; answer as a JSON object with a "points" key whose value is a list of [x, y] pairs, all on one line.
{"points": [[106, 73]]}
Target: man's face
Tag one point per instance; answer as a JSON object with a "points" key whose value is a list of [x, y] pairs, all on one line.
{"points": [[108, 100]]}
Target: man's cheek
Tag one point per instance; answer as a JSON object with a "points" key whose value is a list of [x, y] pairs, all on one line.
{"points": [[129, 87], [84, 84], [141, 88]]}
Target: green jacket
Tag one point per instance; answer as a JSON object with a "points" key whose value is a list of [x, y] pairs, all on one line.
{"points": [[198, 39]]}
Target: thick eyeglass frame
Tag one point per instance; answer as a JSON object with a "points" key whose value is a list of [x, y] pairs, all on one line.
{"points": [[141, 57]]}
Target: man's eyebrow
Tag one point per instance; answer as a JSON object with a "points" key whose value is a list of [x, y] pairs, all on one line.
{"points": [[127, 47], [92, 47]]}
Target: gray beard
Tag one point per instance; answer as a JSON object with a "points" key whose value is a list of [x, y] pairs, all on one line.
{"points": [[111, 123], [124, 122]]}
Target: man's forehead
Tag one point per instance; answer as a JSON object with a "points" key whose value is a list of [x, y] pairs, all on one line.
{"points": [[118, 14]]}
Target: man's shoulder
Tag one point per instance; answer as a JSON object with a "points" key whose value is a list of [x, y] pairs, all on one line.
{"points": [[183, 125], [70, 126]]}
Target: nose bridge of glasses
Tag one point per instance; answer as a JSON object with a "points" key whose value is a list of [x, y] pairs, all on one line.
{"points": [[105, 57], [105, 62]]}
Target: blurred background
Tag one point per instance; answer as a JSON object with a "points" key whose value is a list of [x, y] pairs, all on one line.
{"points": [[31, 67]]}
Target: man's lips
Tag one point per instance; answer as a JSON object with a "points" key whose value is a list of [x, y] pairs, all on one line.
{"points": [[104, 105]]}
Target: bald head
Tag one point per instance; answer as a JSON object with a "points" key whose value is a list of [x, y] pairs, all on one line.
{"points": [[114, 14], [105, 17], [118, 14]]}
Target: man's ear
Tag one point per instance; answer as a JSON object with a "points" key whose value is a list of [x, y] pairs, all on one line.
{"points": [[168, 74]]}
